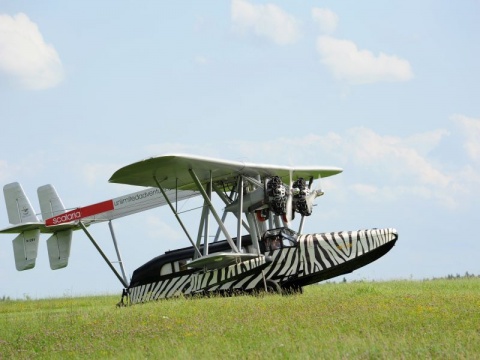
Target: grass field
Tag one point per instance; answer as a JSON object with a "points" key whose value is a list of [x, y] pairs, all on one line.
{"points": [[437, 319]]}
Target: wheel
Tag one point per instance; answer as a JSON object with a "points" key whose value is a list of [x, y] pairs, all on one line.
{"points": [[273, 287]]}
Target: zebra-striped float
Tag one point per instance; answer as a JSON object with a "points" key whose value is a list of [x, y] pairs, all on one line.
{"points": [[297, 261]]}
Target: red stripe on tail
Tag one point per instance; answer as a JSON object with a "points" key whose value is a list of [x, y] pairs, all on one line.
{"points": [[80, 213]]}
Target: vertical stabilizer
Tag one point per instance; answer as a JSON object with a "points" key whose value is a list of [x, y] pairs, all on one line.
{"points": [[58, 245], [19, 208], [20, 211], [50, 203], [25, 248]]}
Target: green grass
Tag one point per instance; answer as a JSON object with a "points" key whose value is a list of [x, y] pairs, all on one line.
{"points": [[437, 319]]}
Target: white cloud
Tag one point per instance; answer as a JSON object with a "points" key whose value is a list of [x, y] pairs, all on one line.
{"points": [[356, 66], [268, 21], [471, 129], [326, 19], [376, 166], [388, 193], [426, 142], [158, 229], [97, 173], [25, 56], [470, 179], [365, 189], [200, 59], [395, 156]]}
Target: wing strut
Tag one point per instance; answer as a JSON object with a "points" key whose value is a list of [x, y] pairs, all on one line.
{"points": [[224, 198], [240, 211], [207, 218], [253, 231], [217, 235], [200, 227], [125, 283], [204, 223], [176, 215], [119, 257], [212, 209]]}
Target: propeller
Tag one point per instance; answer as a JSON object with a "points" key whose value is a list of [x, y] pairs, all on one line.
{"points": [[304, 196], [311, 197], [289, 208]]}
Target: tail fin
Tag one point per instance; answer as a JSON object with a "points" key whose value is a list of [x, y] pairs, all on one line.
{"points": [[59, 244], [50, 203], [19, 208], [20, 211]]}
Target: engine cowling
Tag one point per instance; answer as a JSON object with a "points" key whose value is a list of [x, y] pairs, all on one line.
{"points": [[301, 197], [277, 193]]}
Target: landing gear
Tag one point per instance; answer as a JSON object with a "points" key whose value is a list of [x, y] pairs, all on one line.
{"points": [[125, 295], [273, 287]]}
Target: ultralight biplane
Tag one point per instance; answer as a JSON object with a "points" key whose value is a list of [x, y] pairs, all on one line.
{"points": [[261, 252]]}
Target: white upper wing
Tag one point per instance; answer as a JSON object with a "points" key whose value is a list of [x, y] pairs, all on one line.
{"points": [[172, 171]]}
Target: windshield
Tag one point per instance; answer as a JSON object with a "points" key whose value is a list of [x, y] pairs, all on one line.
{"points": [[289, 234], [276, 238]]}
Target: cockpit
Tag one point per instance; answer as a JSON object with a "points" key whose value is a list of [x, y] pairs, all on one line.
{"points": [[277, 239]]}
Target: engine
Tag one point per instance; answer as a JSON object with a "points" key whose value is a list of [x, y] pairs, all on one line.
{"points": [[301, 194], [274, 197], [277, 195]]}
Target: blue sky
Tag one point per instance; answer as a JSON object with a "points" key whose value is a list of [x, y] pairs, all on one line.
{"points": [[387, 91]]}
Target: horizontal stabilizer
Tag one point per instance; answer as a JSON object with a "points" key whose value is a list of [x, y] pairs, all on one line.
{"points": [[25, 248], [19, 228], [58, 246]]}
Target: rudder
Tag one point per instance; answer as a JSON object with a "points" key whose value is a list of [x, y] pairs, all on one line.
{"points": [[58, 245], [19, 208], [20, 211], [50, 203]]}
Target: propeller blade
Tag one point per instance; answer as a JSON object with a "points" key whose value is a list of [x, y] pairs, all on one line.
{"points": [[289, 208]]}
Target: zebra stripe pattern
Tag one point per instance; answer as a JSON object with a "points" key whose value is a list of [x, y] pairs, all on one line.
{"points": [[199, 281], [313, 254]]}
